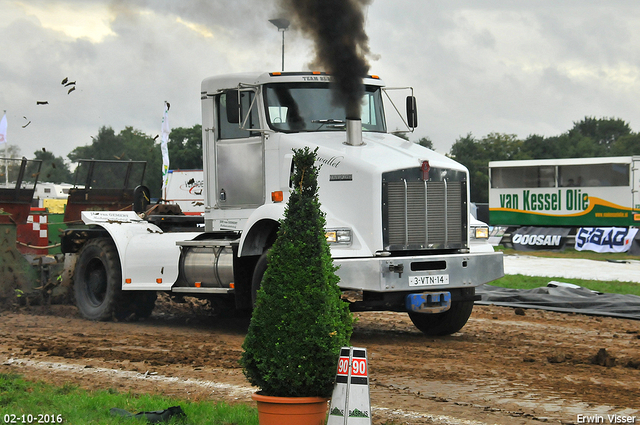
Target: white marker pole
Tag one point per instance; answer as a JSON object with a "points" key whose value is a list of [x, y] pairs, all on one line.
{"points": [[359, 403], [338, 405]]}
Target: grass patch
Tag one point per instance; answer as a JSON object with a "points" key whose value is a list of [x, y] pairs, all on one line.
{"points": [[73, 405], [518, 281]]}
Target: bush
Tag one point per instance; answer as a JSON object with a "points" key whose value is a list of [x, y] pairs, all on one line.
{"points": [[299, 322]]}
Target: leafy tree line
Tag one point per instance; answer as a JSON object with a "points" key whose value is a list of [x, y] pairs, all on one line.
{"points": [[185, 152], [590, 137]]}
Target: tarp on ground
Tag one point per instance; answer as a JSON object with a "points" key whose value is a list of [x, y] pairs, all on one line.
{"points": [[563, 299]]}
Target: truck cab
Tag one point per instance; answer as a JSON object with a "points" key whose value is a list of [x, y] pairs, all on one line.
{"points": [[397, 214]]}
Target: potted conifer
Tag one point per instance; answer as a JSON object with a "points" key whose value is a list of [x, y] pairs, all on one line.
{"points": [[299, 322]]}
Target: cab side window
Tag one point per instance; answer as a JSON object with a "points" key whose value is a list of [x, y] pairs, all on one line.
{"points": [[232, 130]]}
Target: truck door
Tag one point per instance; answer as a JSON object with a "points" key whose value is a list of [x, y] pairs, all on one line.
{"points": [[239, 154]]}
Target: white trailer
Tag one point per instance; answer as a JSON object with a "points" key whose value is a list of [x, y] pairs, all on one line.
{"points": [[46, 190], [570, 192], [397, 213], [186, 189]]}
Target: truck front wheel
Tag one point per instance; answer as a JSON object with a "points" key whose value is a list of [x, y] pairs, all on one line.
{"points": [[451, 321], [98, 280], [258, 273]]}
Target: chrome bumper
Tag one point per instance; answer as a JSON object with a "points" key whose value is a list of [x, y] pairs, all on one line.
{"points": [[419, 273]]}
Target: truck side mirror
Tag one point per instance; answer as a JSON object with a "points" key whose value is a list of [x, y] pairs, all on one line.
{"points": [[233, 108], [141, 199], [412, 112]]}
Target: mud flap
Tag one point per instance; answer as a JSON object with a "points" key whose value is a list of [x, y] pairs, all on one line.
{"points": [[428, 302]]}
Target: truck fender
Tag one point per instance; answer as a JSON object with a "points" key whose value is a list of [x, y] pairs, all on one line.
{"points": [[149, 257], [260, 226]]}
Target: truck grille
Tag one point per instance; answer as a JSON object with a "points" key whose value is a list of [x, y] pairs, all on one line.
{"points": [[421, 214]]}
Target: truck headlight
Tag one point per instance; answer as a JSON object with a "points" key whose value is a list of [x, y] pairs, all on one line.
{"points": [[338, 236], [480, 232]]}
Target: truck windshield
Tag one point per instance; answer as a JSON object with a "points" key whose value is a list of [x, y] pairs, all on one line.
{"points": [[293, 107]]}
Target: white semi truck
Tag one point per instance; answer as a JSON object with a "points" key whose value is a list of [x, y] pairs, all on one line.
{"points": [[397, 213]]}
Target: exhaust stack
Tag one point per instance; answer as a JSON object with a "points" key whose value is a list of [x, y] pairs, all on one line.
{"points": [[354, 132]]}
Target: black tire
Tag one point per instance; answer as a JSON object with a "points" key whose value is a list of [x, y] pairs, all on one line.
{"points": [[451, 321], [258, 273], [98, 280]]}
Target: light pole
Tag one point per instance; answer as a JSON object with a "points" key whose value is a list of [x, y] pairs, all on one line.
{"points": [[282, 25]]}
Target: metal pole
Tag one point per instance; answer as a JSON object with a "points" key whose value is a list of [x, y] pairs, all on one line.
{"points": [[6, 163], [283, 50], [282, 25]]}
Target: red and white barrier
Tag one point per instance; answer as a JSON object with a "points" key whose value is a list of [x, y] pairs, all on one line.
{"points": [[34, 233]]}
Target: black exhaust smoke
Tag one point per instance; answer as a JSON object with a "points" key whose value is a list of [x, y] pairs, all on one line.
{"points": [[337, 29]]}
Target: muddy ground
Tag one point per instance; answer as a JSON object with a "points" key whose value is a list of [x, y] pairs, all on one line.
{"points": [[507, 366]]}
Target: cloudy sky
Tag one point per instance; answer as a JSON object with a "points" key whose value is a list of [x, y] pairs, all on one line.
{"points": [[477, 67]]}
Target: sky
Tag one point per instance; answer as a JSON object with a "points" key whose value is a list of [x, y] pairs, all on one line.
{"points": [[477, 67]]}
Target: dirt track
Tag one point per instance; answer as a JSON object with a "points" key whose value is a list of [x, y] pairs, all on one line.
{"points": [[506, 366]]}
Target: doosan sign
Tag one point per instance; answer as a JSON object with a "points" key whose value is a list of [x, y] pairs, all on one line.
{"points": [[538, 240], [546, 238]]}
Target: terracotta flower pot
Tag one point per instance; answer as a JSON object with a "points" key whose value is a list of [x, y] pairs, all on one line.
{"points": [[291, 410]]}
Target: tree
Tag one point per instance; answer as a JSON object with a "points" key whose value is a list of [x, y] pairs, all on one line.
{"points": [[129, 144], [426, 142], [602, 131], [580, 146], [10, 151], [9, 169], [466, 150], [185, 148], [185, 151], [501, 147], [299, 322], [106, 145], [53, 169], [540, 147], [626, 145], [475, 155], [572, 144]]}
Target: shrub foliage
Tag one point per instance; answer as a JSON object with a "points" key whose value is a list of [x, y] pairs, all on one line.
{"points": [[299, 322]]}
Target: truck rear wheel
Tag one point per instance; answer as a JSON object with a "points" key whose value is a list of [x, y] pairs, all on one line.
{"points": [[451, 321], [98, 280]]}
